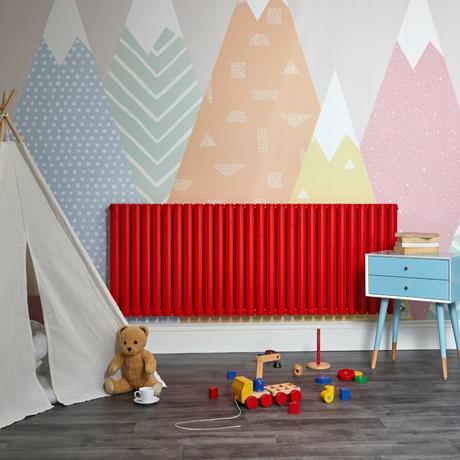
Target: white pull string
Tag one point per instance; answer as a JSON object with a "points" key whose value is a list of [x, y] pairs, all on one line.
{"points": [[178, 424]]}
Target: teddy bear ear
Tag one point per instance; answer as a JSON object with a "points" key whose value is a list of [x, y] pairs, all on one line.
{"points": [[145, 329], [121, 330]]}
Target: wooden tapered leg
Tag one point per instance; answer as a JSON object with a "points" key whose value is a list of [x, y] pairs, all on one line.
{"points": [[375, 355], [444, 368], [454, 320], [378, 332], [396, 316], [442, 338], [393, 351]]}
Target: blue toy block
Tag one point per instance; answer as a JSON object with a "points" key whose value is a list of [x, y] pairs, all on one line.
{"points": [[258, 384], [231, 374], [345, 394], [323, 379]]}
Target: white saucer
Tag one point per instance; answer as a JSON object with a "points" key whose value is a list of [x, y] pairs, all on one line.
{"points": [[146, 403]]}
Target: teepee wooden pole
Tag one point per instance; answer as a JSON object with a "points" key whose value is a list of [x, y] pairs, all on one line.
{"points": [[14, 129], [9, 99], [2, 120], [6, 119]]}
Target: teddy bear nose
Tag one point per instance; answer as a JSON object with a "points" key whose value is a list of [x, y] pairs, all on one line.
{"points": [[129, 348]]}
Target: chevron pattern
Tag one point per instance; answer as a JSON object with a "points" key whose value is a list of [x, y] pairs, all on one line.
{"points": [[155, 99]]}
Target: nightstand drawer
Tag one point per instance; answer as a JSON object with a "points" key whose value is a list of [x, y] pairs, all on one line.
{"points": [[420, 288], [407, 267]]}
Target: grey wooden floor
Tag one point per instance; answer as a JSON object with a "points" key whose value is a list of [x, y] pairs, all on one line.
{"points": [[405, 412]]}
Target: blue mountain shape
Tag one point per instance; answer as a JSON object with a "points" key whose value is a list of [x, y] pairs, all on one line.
{"points": [[66, 122]]}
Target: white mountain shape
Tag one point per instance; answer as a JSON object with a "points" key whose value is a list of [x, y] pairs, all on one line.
{"points": [[228, 169], [302, 195], [334, 121], [208, 141], [63, 27], [258, 6], [148, 18], [349, 164], [417, 31]]}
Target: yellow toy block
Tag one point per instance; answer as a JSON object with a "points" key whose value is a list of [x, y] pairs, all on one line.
{"points": [[242, 387], [358, 374], [327, 395]]}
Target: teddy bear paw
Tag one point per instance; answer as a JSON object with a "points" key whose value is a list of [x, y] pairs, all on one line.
{"points": [[109, 386], [150, 369], [157, 389]]}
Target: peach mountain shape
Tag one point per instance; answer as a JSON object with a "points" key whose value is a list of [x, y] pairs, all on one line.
{"points": [[257, 116]]}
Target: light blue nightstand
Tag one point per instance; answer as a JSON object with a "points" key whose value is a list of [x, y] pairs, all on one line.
{"points": [[430, 277]]}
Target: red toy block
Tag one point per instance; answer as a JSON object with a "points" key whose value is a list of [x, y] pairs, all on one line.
{"points": [[346, 374], [213, 392], [294, 408]]}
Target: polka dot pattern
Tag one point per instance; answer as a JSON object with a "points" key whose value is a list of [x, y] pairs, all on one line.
{"points": [[65, 119]]}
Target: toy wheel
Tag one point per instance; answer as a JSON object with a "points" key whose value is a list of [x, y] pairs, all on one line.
{"points": [[296, 395], [266, 400], [252, 402], [281, 398]]}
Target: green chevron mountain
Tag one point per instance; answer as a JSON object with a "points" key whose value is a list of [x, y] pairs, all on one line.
{"points": [[154, 98]]}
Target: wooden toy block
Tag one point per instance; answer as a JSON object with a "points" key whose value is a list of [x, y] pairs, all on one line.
{"points": [[318, 364], [231, 374], [297, 370], [360, 379], [258, 384], [346, 374], [294, 408], [323, 379], [345, 394], [213, 392], [327, 396]]}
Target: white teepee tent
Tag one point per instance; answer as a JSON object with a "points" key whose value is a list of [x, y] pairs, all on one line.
{"points": [[81, 318]]}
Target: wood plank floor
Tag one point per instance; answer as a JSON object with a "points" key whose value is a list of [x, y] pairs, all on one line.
{"points": [[405, 412]]}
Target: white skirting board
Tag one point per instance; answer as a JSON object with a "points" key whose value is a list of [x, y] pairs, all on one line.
{"points": [[220, 337]]}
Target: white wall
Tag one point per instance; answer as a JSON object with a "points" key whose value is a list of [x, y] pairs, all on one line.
{"points": [[253, 336]]}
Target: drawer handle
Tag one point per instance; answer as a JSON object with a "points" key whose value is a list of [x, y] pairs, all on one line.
{"points": [[405, 269], [406, 288]]}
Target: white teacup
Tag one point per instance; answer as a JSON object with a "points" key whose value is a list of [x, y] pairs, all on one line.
{"points": [[145, 394]]}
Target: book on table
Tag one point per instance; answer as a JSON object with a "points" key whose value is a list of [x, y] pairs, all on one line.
{"points": [[416, 243]]}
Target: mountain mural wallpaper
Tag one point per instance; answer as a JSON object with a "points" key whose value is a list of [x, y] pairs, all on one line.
{"points": [[307, 101]]}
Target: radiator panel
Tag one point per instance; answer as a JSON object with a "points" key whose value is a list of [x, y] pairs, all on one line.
{"points": [[245, 259]]}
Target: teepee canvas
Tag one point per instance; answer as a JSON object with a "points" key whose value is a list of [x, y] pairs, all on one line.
{"points": [[80, 316]]}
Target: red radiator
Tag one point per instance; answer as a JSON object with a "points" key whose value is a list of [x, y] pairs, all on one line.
{"points": [[245, 259]]}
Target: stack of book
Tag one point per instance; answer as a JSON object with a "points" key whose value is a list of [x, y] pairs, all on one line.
{"points": [[416, 243]]}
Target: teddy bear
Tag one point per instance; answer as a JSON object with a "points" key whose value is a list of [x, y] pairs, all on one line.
{"points": [[137, 364]]}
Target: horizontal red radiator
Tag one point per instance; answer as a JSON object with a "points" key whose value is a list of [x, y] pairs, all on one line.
{"points": [[245, 259]]}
